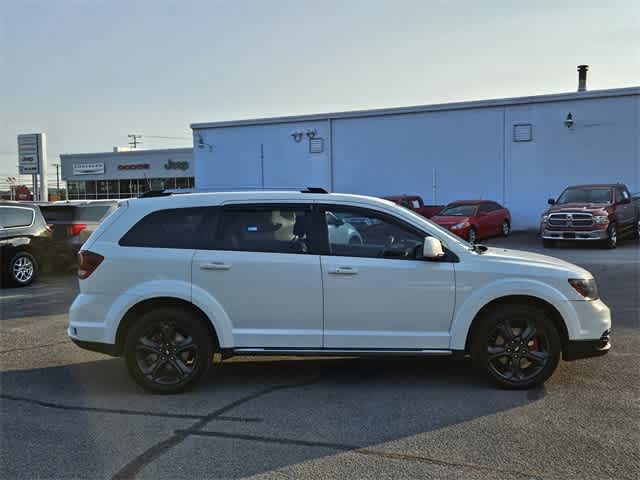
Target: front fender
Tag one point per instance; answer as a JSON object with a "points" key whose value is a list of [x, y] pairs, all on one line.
{"points": [[467, 307]]}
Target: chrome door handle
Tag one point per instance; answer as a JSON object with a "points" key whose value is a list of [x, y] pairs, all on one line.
{"points": [[215, 266], [344, 271]]}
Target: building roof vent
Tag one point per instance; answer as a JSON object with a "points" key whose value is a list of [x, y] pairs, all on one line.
{"points": [[582, 77]]}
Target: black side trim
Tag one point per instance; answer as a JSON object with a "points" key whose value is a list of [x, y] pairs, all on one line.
{"points": [[577, 349], [106, 348]]}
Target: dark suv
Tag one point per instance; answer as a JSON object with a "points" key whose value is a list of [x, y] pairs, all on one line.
{"points": [[72, 223], [24, 239]]}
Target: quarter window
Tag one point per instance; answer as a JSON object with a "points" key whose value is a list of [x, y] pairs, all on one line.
{"points": [[11, 217], [353, 233], [182, 228], [278, 229]]}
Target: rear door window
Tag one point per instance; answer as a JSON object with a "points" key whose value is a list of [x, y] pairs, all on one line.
{"points": [[265, 228], [183, 228], [15, 217]]}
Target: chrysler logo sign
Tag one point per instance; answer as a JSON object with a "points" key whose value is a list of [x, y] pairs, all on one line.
{"points": [[88, 168]]}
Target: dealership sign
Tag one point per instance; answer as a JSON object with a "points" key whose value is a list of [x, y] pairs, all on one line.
{"points": [[88, 168], [134, 166], [171, 165], [29, 153]]}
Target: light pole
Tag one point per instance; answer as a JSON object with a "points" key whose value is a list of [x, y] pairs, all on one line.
{"points": [[57, 165]]}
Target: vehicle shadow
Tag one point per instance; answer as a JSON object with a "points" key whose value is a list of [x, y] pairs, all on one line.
{"points": [[319, 406]]}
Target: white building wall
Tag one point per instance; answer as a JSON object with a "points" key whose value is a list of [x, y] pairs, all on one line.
{"points": [[231, 157], [471, 149]]}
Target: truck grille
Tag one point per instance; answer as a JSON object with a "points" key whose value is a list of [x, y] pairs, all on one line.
{"points": [[570, 219]]}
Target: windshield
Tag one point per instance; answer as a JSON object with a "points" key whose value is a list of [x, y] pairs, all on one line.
{"points": [[459, 210], [585, 195]]}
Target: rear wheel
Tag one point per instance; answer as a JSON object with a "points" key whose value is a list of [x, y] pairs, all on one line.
{"points": [[516, 346], [21, 269], [168, 350]]}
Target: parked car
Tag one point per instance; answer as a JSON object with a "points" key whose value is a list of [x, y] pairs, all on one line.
{"points": [[475, 219], [168, 281], [72, 223], [415, 203], [600, 212], [24, 240]]}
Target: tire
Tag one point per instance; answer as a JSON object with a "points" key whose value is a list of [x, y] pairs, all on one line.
{"points": [[612, 241], [22, 269], [635, 234], [506, 228], [150, 345], [548, 243], [472, 235], [523, 359]]}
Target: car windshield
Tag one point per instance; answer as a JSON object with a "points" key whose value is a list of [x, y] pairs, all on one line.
{"points": [[459, 210], [585, 195]]}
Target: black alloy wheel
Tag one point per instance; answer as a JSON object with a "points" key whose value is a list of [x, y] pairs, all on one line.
{"points": [[168, 350], [517, 346]]}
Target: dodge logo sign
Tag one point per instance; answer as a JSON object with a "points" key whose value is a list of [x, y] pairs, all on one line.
{"points": [[134, 166]]}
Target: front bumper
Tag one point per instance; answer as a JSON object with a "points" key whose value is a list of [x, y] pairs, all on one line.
{"points": [[106, 348], [577, 349], [574, 234]]}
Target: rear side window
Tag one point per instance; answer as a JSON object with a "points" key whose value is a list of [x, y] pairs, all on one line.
{"points": [[12, 217], [278, 229], [184, 228]]}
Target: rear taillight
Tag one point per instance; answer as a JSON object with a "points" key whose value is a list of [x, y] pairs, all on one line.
{"points": [[75, 229], [87, 263], [49, 227]]}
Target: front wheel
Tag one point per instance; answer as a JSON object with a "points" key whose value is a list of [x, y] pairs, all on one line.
{"points": [[612, 237], [516, 346], [635, 235], [506, 228], [168, 350], [472, 236]]}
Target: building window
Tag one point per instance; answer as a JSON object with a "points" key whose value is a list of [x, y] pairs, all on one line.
{"points": [[102, 192], [90, 189]]}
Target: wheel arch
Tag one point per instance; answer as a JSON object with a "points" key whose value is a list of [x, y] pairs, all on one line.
{"points": [[552, 311], [149, 304]]}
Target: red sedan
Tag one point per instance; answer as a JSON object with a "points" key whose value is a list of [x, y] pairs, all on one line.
{"points": [[474, 219]]}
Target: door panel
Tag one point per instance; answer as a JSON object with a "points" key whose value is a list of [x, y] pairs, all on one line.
{"points": [[385, 303], [272, 299], [376, 294]]}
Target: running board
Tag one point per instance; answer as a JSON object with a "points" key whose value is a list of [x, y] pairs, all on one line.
{"points": [[338, 352]]}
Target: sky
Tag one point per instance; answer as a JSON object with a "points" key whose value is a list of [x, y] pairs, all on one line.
{"points": [[89, 72]]}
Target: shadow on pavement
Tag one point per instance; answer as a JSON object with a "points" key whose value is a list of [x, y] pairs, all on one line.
{"points": [[318, 406]]}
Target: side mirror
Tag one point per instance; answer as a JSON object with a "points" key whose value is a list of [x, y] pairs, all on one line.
{"points": [[432, 248], [624, 201], [551, 201]]}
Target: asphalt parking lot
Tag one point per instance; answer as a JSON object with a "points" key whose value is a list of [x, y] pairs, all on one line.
{"points": [[68, 413]]}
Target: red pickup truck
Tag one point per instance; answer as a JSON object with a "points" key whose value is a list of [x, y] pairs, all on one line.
{"points": [[415, 203], [599, 212]]}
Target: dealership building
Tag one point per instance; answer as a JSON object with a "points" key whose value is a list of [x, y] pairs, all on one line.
{"points": [[125, 174], [517, 151]]}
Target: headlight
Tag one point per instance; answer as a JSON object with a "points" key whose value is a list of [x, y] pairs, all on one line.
{"points": [[587, 288], [460, 225], [544, 218], [601, 219]]}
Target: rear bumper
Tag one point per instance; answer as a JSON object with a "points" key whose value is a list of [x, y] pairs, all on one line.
{"points": [[574, 235], [577, 349]]}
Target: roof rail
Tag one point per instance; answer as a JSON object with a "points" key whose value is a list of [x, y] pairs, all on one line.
{"points": [[155, 193], [314, 190]]}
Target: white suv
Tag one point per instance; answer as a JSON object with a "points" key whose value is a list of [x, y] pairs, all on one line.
{"points": [[169, 281]]}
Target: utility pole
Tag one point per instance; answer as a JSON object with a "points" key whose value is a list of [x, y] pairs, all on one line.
{"points": [[57, 165], [135, 140]]}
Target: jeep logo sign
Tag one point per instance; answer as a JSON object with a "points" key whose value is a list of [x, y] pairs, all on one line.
{"points": [[171, 165]]}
